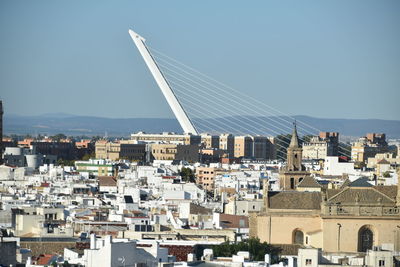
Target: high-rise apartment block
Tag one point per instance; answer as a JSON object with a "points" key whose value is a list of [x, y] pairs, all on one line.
{"points": [[227, 143], [120, 150], [243, 147], [189, 153], [322, 146], [254, 147], [210, 141], [368, 146]]}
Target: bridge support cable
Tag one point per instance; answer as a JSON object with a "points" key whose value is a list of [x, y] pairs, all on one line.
{"points": [[219, 111], [232, 103], [213, 83], [238, 95], [246, 105], [199, 110], [227, 106]]}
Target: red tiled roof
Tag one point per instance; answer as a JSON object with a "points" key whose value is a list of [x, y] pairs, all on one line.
{"points": [[107, 181], [383, 161], [44, 184], [44, 259]]}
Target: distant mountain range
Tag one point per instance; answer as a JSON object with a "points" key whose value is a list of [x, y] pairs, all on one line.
{"points": [[90, 126]]}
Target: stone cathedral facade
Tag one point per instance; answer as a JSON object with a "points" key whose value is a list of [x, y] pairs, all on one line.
{"points": [[352, 218]]}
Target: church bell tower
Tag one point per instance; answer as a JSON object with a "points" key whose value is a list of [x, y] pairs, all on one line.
{"points": [[294, 172]]}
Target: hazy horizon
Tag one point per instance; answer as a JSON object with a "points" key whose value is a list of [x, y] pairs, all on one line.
{"points": [[63, 114]]}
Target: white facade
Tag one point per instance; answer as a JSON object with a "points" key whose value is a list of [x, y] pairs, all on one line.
{"points": [[332, 166]]}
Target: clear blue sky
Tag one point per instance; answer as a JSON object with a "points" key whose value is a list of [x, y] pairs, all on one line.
{"points": [[333, 59]]}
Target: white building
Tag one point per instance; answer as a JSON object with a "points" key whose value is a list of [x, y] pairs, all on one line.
{"points": [[333, 166], [122, 252]]}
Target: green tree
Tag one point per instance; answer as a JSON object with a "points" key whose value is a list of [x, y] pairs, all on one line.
{"points": [[58, 137], [253, 245], [86, 157], [65, 162], [187, 175]]}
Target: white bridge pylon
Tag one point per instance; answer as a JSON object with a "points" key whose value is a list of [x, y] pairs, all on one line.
{"points": [[166, 89]]}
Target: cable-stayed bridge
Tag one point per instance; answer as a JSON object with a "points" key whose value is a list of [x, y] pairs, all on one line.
{"points": [[202, 104]]}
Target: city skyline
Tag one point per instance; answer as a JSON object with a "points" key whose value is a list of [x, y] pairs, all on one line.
{"points": [[332, 59]]}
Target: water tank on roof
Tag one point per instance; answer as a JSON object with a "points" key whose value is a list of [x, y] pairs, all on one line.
{"points": [[33, 161]]}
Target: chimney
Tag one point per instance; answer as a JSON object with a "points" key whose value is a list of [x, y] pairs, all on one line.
{"points": [[93, 241], [107, 239]]}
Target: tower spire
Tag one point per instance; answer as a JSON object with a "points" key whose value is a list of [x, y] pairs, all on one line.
{"points": [[294, 142]]}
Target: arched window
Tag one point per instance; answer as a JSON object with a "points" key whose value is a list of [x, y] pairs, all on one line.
{"points": [[300, 179], [365, 238], [298, 237]]}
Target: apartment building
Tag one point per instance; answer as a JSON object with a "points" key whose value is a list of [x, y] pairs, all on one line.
{"points": [[97, 167], [227, 143], [243, 147], [255, 147], [188, 153], [322, 146], [210, 141], [205, 177], [120, 150], [368, 146], [166, 137]]}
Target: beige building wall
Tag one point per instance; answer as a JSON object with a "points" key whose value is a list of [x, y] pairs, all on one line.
{"points": [[120, 150], [210, 141], [25, 224], [243, 147], [227, 143], [205, 177], [188, 153], [315, 150], [387, 156], [384, 230], [107, 150], [276, 229]]}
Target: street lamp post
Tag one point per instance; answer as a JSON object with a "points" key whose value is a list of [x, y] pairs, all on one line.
{"points": [[338, 243]]}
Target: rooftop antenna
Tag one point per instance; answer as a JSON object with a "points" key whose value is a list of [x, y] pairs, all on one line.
{"points": [[166, 89]]}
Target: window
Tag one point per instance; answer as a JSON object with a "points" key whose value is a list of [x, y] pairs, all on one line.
{"points": [[365, 238], [381, 263], [298, 237], [308, 261], [292, 183]]}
